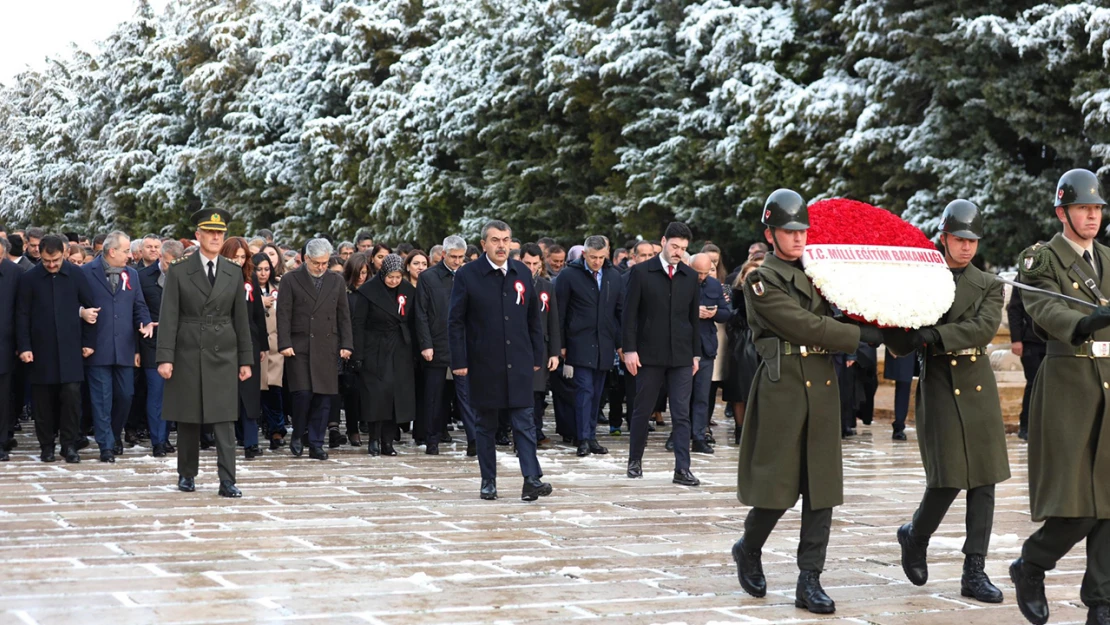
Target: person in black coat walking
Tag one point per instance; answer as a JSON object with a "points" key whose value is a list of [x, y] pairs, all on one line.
{"points": [[152, 279], [532, 257], [238, 251], [9, 286], [381, 319], [49, 338], [661, 344], [496, 340], [588, 291], [713, 308]]}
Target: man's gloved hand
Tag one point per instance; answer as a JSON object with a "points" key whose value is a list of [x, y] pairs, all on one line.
{"points": [[924, 337], [870, 335], [1092, 323]]}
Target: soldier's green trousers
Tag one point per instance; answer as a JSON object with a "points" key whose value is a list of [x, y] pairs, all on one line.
{"points": [[816, 525], [979, 519], [1056, 538], [188, 449]]}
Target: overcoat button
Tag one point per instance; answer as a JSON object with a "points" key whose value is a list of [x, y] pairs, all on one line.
{"points": [[957, 391], [973, 359], [954, 362], [828, 382], [1106, 385], [808, 384], [805, 354], [508, 342], [978, 389], [1075, 285], [510, 366]]}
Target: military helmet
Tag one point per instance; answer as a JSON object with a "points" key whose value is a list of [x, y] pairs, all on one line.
{"points": [[787, 210], [1079, 186], [962, 219]]}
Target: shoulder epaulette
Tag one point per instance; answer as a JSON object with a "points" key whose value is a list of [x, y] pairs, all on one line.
{"points": [[1036, 260]]}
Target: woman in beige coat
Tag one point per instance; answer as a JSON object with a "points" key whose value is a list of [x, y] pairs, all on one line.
{"points": [[273, 363]]}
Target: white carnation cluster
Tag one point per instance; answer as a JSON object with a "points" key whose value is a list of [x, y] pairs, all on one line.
{"points": [[899, 295]]}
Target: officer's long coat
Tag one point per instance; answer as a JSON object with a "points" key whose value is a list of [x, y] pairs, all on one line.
{"points": [[1069, 424], [203, 330], [959, 419], [799, 415]]}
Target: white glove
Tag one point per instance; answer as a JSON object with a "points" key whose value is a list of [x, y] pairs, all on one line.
{"points": [[568, 371]]}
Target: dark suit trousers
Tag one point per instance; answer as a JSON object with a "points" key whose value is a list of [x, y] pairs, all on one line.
{"points": [[6, 408], [110, 388], [588, 384], [1032, 356], [816, 525], [524, 438], [539, 405], [466, 409], [57, 408], [188, 449], [616, 396], [311, 410], [979, 519], [562, 399], [701, 400], [435, 403], [1056, 538], [678, 382], [901, 404]]}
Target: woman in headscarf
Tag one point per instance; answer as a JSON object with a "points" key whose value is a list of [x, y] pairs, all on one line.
{"points": [[250, 403], [381, 318], [273, 363]]}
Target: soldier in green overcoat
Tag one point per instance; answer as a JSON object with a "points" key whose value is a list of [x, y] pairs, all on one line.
{"points": [[204, 350], [1069, 427], [959, 418], [790, 445]]}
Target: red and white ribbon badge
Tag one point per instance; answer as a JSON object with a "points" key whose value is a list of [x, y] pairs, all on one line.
{"points": [[250, 291], [126, 281], [543, 301], [519, 286], [401, 305]]}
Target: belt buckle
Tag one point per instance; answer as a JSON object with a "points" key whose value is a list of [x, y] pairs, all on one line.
{"points": [[208, 320], [1100, 349], [802, 350]]}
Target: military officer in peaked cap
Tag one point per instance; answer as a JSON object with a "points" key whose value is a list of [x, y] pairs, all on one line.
{"points": [[204, 350], [1069, 427]]}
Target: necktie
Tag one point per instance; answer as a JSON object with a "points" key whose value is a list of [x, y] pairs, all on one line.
{"points": [[670, 271], [597, 278], [212, 273], [1090, 261]]}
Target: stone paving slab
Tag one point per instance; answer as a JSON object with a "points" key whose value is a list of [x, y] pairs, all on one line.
{"points": [[405, 540]]}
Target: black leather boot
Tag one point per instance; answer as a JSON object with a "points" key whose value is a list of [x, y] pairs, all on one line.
{"points": [[749, 569], [810, 596], [975, 582], [1028, 582], [914, 563]]}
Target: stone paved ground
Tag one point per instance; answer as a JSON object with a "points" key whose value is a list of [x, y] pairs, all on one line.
{"points": [[406, 540]]}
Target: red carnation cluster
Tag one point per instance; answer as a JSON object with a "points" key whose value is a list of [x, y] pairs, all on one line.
{"points": [[848, 222]]}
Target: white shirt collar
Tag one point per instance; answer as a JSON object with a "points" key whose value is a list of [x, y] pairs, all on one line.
{"points": [[502, 268], [665, 263]]}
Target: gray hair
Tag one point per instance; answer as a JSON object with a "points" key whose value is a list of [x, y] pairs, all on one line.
{"points": [[317, 248], [495, 224], [596, 242], [4, 243], [455, 242], [174, 249], [436, 249], [115, 239], [344, 244], [152, 236]]}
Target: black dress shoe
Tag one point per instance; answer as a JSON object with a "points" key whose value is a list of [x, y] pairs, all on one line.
{"points": [[445, 438], [898, 436], [117, 448], [275, 444], [206, 442], [1028, 582], [683, 477], [185, 484], [1023, 435], [471, 449], [355, 439], [583, 449], [737, 434], [335, 439], [502, 438], [602, 420], [168, 447], [296, 448], [228, 489], [71, 455], [709, 437], [82, 442], [635, 470], [107, 456], [534, 489], [317, 453], [4, 457], [1098, 615], [975, 582], [47, 456], [596, 448], [489, 490], [810, 596], [159, 450], [374, 448], [914, 559], [669, 445], [252, 452], [11, 444], [432, 450], [388, 450], [702, 447], [651, 426], [749, 569], [567, 439]]}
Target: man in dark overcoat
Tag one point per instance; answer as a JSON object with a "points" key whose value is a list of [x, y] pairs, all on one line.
{"points": [[314, 332], [532, 257], [111, 368], [153, 279], [9, 286], [959, 418], [713, 308], [790, 445], [662, 347], [1069, 414], [588, 291], [53, 342], [496, 338], [204, 350]]}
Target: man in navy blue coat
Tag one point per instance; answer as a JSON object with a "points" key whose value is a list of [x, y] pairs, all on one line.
{"points": [[54, 343], [9, 285], [588, 291], [152, 280], [111, 369], [496, 339], [712, 309]]}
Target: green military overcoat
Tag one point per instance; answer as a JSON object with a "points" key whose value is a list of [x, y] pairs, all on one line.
{"points": [[203, 330], [958, 415], [798, 416], [1069, 428]]}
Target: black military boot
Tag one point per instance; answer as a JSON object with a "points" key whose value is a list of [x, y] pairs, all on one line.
{"points": [[914, 563], [1028, 582], [1098, 615], [810, 596], [749, 569], [975, 582]]}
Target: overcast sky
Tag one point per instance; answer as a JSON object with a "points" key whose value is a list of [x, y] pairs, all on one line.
{"points": [[31, 30]]}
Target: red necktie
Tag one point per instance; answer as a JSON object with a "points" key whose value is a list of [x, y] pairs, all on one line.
{"points": [[670, 271]]}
